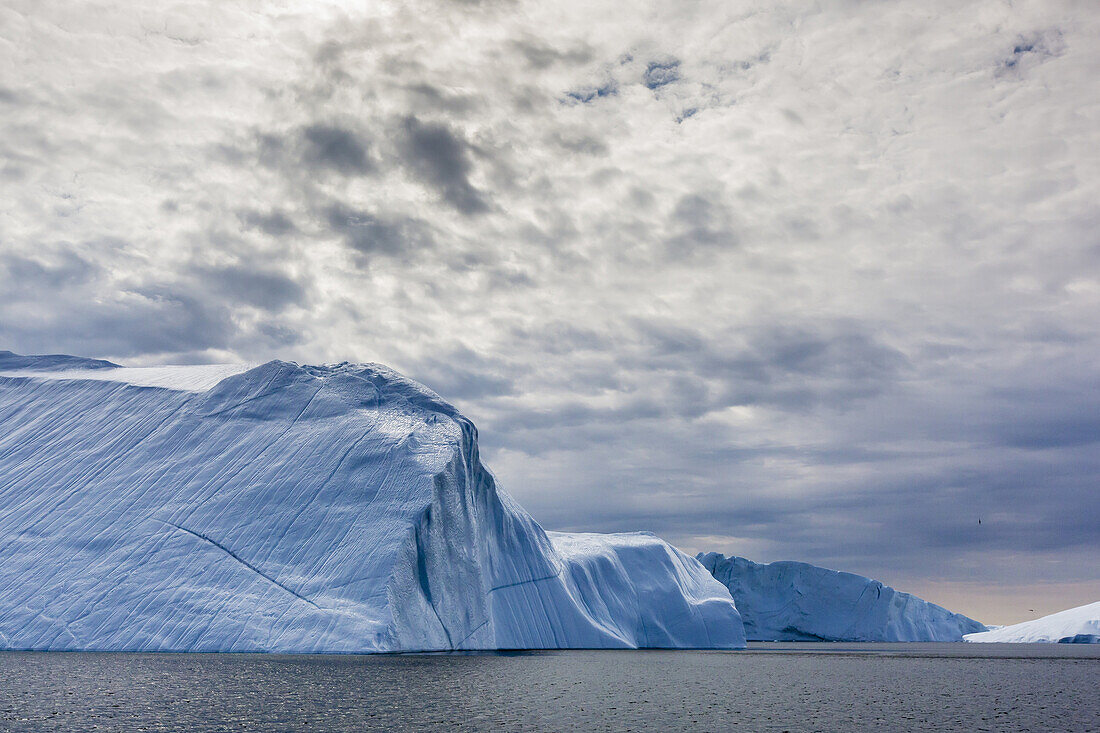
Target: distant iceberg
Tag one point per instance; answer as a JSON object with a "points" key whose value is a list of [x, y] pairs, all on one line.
{"points": [[1079, 625], [298, 509], [794, 601]]}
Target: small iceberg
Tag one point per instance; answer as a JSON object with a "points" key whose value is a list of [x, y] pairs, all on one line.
{"points": [[1079, 625], [795, 601]]}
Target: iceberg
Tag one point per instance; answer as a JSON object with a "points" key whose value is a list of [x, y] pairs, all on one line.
{"points": [[289, 508], [1080, 625], [11, 362], [795, 601]]}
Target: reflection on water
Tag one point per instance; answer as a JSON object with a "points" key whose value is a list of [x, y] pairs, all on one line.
{"points": [[824, 687]]}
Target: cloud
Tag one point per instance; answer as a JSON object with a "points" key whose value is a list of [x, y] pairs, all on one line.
{"points": [[100, 308], [335, 148], [147, 320], [274, 223], [369, 234], [431, 99], [440, 157], [1035, 47], [590, 93], [541, 55], [267, 289], [699, 221], [659, 73]]}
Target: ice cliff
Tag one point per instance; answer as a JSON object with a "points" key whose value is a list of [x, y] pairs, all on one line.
{"points": [[1079, 625], [297, 508], [794, 601]]}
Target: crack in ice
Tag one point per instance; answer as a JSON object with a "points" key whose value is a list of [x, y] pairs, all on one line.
{"points": [[242, 561]]}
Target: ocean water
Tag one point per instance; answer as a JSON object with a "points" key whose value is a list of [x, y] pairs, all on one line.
{"points": [[795, 687]]}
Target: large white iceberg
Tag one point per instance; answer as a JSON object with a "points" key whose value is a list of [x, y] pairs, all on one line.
{"points": [[297, 508], [794, 601], [1080, 625]]}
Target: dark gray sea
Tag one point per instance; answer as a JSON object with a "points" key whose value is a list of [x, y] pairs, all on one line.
{"points": [[770, 687]]}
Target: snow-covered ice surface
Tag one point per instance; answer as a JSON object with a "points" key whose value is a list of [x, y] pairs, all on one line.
{"points": [[198, 378], [296, 508], [1077, 625], [795, 601]]}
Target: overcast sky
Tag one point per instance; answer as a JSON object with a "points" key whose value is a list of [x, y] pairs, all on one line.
{"points": [[814, 281]]}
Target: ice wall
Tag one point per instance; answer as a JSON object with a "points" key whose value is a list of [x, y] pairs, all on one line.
{"points": [[295, 508], [794, 601]]}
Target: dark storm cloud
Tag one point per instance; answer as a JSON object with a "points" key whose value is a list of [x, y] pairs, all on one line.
{"points": [[581, 143], [146, 320], [800, 365], [699, 222], [126, 318], [302, 153], [440, 157], [335, 148], [433, 100], [368, 233], [274, 223], [875, 522], [251, 285], [558, 337], [270, 150], [869, 512], [1066, 430], [277, 335], [541, 55], [167, 320], [668, 373], [466, 375], [1045, 417], [886, 515], [63, 269]]}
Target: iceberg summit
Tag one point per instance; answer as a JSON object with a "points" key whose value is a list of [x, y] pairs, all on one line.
{"points": [[794, 601], [289, 508]]}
